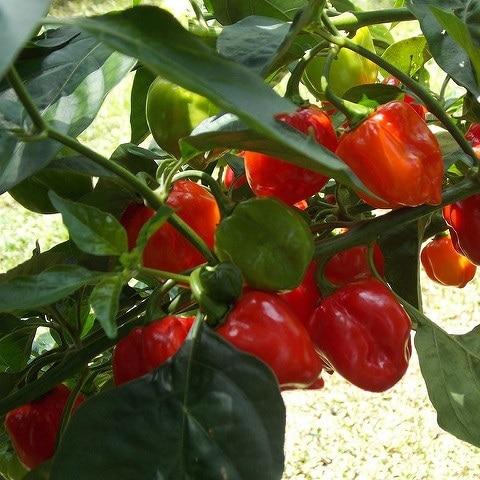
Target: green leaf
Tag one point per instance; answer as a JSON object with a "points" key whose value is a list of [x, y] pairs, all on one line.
{"points": [[18, 21], [210, 412], [408, 55], [203, 71], [401, 249], [450, 365], [138, 118], [16, 337], [235, 41], [231, 11], [42, 472], [32, 193], [450, 55], [461, 35], [374, 94], [68, 86], [92, 230], [33, 291], [105, 300], [160, 217]]}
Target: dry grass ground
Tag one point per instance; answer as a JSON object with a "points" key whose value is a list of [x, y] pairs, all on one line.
{"points": [[334, 434]]}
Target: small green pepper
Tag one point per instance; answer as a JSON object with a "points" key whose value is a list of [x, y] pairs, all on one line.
{"points": [[268, 241]]}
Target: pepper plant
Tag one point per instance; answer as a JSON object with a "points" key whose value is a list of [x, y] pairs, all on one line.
{"points": [[261, 230]]}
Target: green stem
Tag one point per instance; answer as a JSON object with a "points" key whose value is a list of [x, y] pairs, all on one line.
{"points": [[198, 13], [26, 99], [368, 231], [225, 205], [354, 20], [292, 90], [185, 279], [443, 89], [68, 410], [433, 105]]}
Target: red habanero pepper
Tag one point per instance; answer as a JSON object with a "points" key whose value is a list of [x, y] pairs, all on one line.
{"points": [[168, 249], [272, 177], [444, 265], [146, 348], [364, 333], [33, 428], [233, 181], [418, 107], [463, 218], [396, 156], [473, 134], [305, 298], [352, 265], [263, 325]]}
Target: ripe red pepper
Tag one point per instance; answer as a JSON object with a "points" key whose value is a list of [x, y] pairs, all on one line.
{"points": [[396, 156], [352, 265], [305, 298], [33, 428], [273, 177], [168, 249], [146, 348], [473, 134], [364, 333], [263, 325], [233, 181], [418, 107], [463, 218], [445, 265]]}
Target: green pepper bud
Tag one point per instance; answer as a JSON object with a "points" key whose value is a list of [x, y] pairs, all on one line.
{"points": [[216, 288]]}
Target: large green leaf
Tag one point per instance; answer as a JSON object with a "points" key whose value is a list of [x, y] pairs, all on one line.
{"points": [[235, 41], [408, 55], [105, 299], [171, 51], [68, 85], [444, 47], [92, 230], [210, 412], [18, 20], [16, 337], [32, 291], [450, 365], [138, 117], [231, 11], [401, 248]]}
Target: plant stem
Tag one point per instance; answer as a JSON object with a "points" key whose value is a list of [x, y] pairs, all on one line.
{"points": [[185, 279], [72, 398], [225, 205], [433, 105], [368, 231], [114, 167], [354, 20], [26, 99]]}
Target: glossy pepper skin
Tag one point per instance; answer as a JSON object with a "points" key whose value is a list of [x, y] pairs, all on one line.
{"points": [[444, 265], [364, 333], [305, 298], [33, 428], [146, 348], [233, 181], [418, 107], [352, 265], [263, 325], [272, 177], [463, 218], [396, 156], [168, 249]]}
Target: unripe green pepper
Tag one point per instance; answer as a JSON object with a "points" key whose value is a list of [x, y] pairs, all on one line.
{"points": [[215, 288], [268, 241], [348, 70], [173, 112]]}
